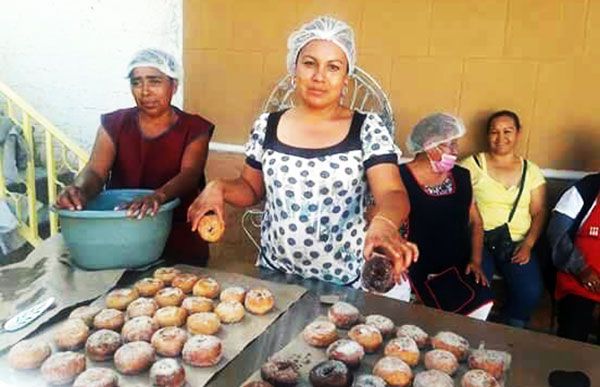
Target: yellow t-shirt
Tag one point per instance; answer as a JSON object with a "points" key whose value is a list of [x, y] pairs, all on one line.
{"points": [[495, 201]]}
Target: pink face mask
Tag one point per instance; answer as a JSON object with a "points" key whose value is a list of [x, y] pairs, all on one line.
{"points": [[445, 164]]}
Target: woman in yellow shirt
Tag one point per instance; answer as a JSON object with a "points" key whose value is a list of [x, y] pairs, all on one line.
{"points": [[496, 177]]}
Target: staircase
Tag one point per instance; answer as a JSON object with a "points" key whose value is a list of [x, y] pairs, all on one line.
{"points": [[52, 162]]}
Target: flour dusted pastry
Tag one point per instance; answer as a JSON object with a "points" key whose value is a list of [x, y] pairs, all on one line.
{"points": [[170, 316], [120, 298], [205, 323], [28, 354], [139, 329], [167, 373], [404, 348], [369, 381], [142, 307], [233, 293], [63, 367], [452, 342], [102, 344], [394, 371], [169, 297], [441, 360], [112, 319], [280, 372], [166, 274], [169, 341], [202, 351], [198, 304], [230, 312], [320, 333], [210, 228], [86, 313], [185, 282], [347, 351], [97, 377], [207, 287], [414, 332], [134, 358], [493, 362], [366, 335], [71, 334], [343, 315], [433, 378], [147, 287], [384, 324], [259, 301], [330, 373], [478, 378]]}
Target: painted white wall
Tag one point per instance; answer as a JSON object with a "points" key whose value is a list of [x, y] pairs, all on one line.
{"points": [[67, 58]]}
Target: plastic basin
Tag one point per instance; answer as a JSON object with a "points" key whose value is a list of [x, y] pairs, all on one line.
{"points": [[99, 237]]}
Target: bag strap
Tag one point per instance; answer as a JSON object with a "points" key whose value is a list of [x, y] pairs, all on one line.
{"points": [[477, 161], [514, 208]]}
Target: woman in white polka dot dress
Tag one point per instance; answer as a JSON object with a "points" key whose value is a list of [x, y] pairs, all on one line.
{"points": [[315, 164]]}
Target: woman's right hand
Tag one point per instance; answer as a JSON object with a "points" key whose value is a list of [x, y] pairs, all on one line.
{"points": [[209, 200], [71, 198]]}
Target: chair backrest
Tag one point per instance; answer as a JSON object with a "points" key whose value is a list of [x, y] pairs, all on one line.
{"points": [[363, 94]]}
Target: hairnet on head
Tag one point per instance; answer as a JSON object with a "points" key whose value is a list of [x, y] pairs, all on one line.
{"points": [[160, 60], [434, 130], [322, 28]]}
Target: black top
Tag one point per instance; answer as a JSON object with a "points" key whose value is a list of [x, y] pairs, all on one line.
{"points": [[439, 225]]}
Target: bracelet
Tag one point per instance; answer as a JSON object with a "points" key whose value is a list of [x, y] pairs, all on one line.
{"points": [[387, 220]]}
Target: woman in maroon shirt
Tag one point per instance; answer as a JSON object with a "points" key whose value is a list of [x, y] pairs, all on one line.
{"points": [[154, 146]]}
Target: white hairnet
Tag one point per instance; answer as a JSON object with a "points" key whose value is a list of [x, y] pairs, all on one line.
{"points": [[160, 60], [434, 130], [322, 28]]}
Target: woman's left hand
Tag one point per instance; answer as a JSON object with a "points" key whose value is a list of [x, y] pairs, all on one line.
{"points": [[144, 206], [384, 236], [522, 254]]}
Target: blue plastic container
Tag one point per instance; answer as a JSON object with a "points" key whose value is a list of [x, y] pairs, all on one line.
{"points": [[99, 237]]}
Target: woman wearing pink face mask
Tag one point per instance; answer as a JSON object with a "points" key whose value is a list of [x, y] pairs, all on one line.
{"points": [[444, 221]]}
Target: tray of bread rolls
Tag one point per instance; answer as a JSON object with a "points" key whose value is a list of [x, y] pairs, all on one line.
{"points": [[176, 328], [346, 348]]}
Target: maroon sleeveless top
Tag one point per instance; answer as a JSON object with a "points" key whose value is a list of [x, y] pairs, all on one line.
{"points": [[143, 162]]}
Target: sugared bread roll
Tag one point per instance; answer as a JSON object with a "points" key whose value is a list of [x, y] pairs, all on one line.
{"points": [[202, 351], [134, 358], [63, 367], [404, 348], [28, 354], [166, 274], [71, 334], [169, 341], [147, 287], [207, 287], [394, 371], [259, 301], [320, 333], [452, 342], [120, 298]]}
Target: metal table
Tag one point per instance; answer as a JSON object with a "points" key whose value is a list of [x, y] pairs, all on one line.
{"points": [[534, 355]]}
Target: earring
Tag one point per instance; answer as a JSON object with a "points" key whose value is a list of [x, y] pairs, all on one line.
{"points": [[293, 83]]}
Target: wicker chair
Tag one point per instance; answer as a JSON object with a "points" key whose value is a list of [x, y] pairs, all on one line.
{"points": [[364, 94]]}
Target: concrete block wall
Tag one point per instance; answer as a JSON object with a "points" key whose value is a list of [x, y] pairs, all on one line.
{"points": [[468, 57]]}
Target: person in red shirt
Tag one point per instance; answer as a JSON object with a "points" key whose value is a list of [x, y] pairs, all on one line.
{"points": [[153, 145]]}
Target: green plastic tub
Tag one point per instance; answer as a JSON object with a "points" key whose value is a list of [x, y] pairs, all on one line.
{"points": [[99, 237]]}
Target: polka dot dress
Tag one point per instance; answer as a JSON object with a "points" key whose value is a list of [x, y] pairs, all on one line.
{"points": [[313, 224]]}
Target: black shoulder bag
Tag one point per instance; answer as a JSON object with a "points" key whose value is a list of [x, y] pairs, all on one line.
{"points": [[498, 240]]}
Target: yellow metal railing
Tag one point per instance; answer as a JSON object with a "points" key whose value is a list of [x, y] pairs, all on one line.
{"points": [[61, 155]]}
